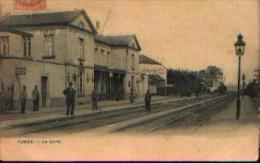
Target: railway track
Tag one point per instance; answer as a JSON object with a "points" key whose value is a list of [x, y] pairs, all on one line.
{"points": [[96, 120], [194, 117]]}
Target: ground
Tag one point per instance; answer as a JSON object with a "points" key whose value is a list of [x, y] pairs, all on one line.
{"points": [[221, 138]]}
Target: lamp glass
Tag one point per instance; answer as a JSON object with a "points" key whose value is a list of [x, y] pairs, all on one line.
{"points": [[240, 49], [240, 45]]}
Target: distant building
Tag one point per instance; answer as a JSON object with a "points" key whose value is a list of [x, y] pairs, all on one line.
{"points": [[213, 81], [153, 75]]}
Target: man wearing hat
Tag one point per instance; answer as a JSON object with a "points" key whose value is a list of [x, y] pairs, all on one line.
{"points": [[70, 98]]}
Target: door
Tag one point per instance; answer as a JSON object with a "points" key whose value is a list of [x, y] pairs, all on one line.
{"points": [[44, 82]]}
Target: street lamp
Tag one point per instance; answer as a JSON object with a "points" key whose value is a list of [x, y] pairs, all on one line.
{"points": [[243, 78], [239, 49]]}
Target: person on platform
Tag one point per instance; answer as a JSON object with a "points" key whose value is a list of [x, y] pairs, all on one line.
{"points": [[2, 98], [8, 99], [70, 99], [94, 99], [147, 99], [131, 96], [23, 99], [35, 98]]}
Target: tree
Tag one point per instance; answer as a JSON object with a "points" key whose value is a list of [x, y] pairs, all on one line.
{"points": [[184, 82], [214, 71]]}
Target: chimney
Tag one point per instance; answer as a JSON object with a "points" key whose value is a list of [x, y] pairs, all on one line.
{"points": [[98, 26]]}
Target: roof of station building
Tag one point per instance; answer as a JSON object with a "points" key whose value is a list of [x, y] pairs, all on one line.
{"points": [[15, 31], [119, 40], [147, 60], [45, 18]]}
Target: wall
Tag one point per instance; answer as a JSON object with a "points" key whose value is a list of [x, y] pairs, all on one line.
{"points": [[103, 58], [34, 72], [148, 69], [73, 51], [118, 60], [37, 42]]}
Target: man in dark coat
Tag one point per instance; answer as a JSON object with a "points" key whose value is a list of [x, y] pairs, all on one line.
{"points": [[131, 96], [70, 98], [23, 99], [2, 98], [147, 100], [36, 98], [94, 99]]}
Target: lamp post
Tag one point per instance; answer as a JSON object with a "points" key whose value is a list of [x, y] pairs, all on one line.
{"points": [[239, 49], [243, 78]]}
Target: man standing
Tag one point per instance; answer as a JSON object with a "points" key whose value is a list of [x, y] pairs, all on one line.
{"points": [[23, 98], [8, 98], [2, 96], [94, 99], [131, 96], [147, 100], [70, 98], [36, 98]]}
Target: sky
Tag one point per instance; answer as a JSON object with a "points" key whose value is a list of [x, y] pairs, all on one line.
{"points": [[185, 34]]}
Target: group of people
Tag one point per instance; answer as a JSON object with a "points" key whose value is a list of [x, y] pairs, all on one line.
{"points": [[7, 101], [70, 93], [147, 99], [35, 98], [6, 98]]}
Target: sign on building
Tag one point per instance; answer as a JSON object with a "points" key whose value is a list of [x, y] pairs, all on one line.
{"points": [[20, 70], [154, 71]]}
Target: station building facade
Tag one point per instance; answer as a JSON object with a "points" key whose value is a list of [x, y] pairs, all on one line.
{"points": [[55, 48], [116, 66]]}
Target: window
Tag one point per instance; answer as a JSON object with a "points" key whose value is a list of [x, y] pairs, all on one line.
{"points": [[81, 47], [81, 25], [26, 46], [133, 62], [4, 45], [49, 43]]}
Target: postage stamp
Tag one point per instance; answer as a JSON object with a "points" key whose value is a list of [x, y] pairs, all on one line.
{"points": [[30, 5]]}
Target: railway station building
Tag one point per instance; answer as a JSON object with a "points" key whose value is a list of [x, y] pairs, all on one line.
{"points": [[54, 48]]}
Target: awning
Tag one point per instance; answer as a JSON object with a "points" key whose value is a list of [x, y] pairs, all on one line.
{"points": [[106, 69], [101, 68], [154, 78], [118, 71]]}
